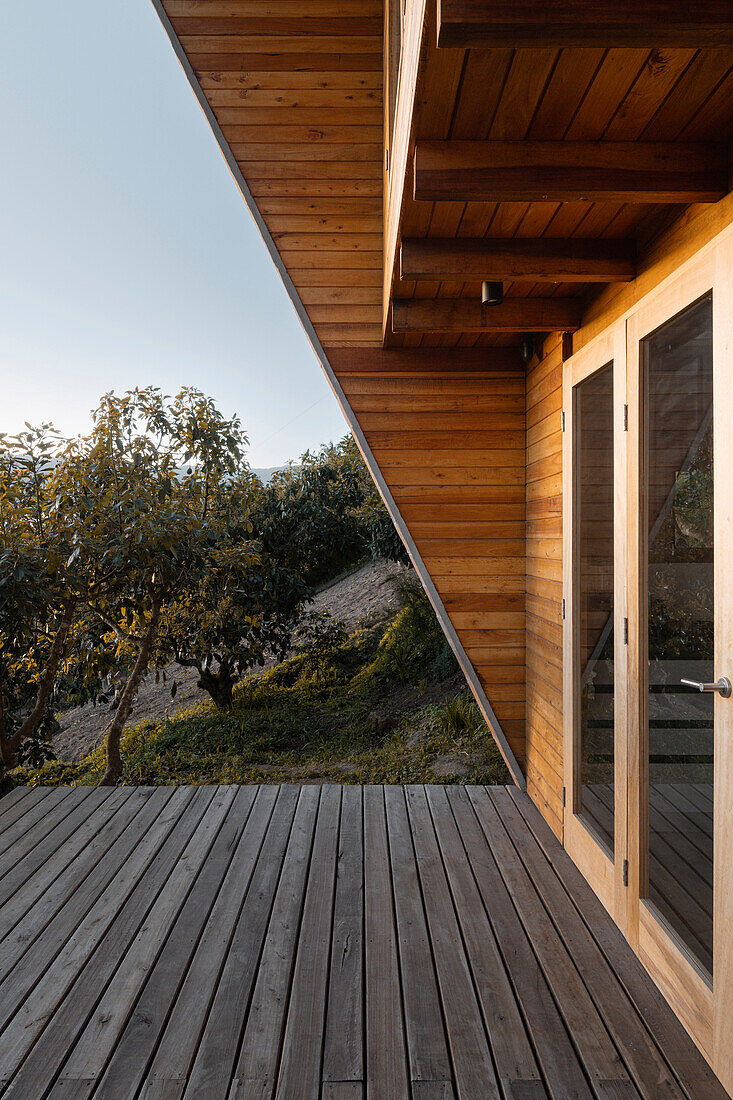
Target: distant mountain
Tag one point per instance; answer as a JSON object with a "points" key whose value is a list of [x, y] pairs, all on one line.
{"points": [[266, 474], [263, 474]]}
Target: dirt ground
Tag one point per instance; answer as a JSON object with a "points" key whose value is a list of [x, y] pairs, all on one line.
{"points": [[366, 594]]}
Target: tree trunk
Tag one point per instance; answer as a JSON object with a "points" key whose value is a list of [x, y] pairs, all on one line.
{"points": [[113, 774], [10, 746], [5, 754], [220, 687], [7, 758]]}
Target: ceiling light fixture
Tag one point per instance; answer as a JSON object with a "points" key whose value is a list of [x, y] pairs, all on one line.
{"points": [[492, 293]]}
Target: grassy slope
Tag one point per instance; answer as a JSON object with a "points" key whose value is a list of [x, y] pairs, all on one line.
{"points": [[348, 709]]}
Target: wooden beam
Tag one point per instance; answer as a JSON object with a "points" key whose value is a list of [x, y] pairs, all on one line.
{"points": [[557, 261], [424, 362], [567, 171], [551, 23], [413, 42], [468, 315]]}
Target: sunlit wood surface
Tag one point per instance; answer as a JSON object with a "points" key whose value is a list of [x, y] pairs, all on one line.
{"points": [[334, 942]]}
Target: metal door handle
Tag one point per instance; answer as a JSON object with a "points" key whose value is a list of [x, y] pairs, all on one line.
{"points": [[723, 686]]}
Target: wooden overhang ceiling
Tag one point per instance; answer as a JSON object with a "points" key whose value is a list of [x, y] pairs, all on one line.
{"points": [[547, 143], [296, 89], [539, 144]]}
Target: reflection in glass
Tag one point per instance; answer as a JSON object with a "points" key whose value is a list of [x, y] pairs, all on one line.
{"points": [[678, 389], [594, 563]]}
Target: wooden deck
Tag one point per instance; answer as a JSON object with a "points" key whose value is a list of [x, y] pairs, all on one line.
{"points": [[315, 942]]}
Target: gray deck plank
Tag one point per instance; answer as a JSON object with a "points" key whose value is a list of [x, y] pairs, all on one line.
{"points": [[27, 853], [104, 1028], [680, 1052], [512, 1050], [9, 800], [139, 1035], [257, 1065], [386, 1055], [343, 1052], [213, 1067], [427, 1046], [472, 1062], [300, 1065], [39, 824], [641, 1056], [553, 1045], [23, 884], [21, 814], [34, 930], [602, 1061], [322, 943], [42, 1034], [70, 937], [168, 1072]]}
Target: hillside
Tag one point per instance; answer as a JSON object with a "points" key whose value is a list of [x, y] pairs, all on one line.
{"points": [[380, 699], [366, 593]]}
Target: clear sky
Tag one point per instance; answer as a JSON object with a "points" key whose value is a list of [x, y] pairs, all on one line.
{"points": [[127, 255]]}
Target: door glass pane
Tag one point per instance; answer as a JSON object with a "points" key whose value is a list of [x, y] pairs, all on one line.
{"points": [[678, 384], [594, 623]]}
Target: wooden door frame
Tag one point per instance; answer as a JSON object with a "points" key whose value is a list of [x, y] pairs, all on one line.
{"points": [[705, 1010], [662, 951], [722, 1039], [606, 875]]}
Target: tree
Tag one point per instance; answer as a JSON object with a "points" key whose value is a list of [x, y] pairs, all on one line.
{"points": [[331, 512], [150, 541], [44, 573], [31, 650], [169, 459], [241, 612], [118, 526]]}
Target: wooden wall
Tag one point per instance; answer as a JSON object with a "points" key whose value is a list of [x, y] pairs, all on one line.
{"points": [[447, 429], [660, 257], [544, 720], [297, 93]]}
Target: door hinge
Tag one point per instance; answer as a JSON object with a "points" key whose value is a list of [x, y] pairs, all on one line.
{"points": [[563, 796], [562, 607], [626, 631], [562, 421], [626, 418], [625, 872], [386, 159]]}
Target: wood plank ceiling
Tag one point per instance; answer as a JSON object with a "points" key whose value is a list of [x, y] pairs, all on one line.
{"points": [[491, 130], [297, 91]]}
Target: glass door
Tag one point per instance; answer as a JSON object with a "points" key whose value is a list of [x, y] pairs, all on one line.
{"points": [[648, 635], [678, 625], [680, 600], [595, 672]]}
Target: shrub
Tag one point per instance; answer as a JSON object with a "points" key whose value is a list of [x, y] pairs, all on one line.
{"points": [[413, 639], [460, 717]]}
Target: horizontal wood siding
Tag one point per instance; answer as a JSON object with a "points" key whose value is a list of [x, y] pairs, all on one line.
{"points": [[298, 97], [544, 732], [447, 431]]}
